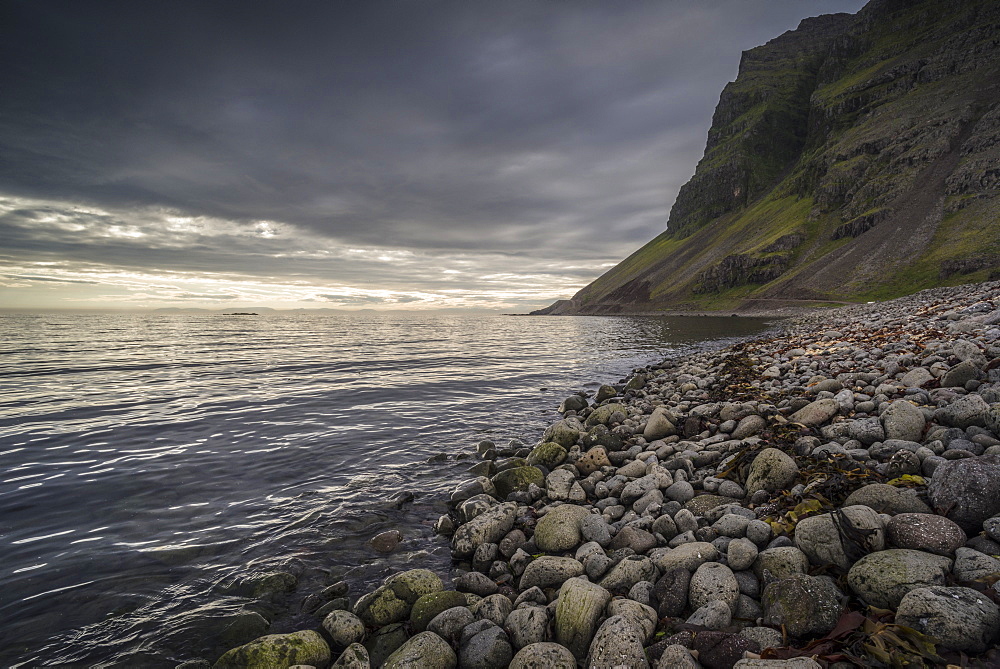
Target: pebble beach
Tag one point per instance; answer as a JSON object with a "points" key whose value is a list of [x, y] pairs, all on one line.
{"points": [[827, 495]]}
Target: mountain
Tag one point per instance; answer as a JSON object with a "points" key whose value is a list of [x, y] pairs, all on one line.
{"points": [[856, 157]]}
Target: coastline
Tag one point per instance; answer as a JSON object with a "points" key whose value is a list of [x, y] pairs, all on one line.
{"points": [[679, 520]]}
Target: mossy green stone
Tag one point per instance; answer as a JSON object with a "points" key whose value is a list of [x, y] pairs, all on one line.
{"points": [[517, 479], [430, 605], [602, 414], [384, 641], [273, 583], [548, 454], [561, 433], [425, 650], [413, 584], [278, 651], [381, 607], [510, 463]]}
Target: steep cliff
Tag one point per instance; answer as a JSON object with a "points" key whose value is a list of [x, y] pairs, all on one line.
{"points": [[856, 157]]}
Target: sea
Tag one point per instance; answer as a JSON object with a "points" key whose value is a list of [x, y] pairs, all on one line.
{"points": [[155, 467]]}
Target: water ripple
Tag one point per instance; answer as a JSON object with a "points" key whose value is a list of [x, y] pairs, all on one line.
{"points": [[150, 462]]}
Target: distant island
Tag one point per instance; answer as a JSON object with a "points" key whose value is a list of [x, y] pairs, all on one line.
{"points": [[241, 313]]}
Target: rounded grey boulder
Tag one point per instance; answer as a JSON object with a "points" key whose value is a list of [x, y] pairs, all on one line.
{"points": [[426, 649], [960, 618], [805, 605], [967, 491], [559, 529], [344, 628], [580, 606], [925, 532], [771, 470], [543, 656], [713, 581], [618, 643], [821, 537], [883, 578]]}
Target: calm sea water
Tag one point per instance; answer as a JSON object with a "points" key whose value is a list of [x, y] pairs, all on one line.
{"points": [[150, 463]]}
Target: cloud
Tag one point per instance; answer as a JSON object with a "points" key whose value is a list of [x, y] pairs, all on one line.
{"points": [[48, 278], [373, 139]]}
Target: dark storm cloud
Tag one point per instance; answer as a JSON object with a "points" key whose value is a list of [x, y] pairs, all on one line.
{"points": [[554, 127]]}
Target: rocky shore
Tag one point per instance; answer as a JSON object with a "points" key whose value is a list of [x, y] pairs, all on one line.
{"points": [[826, 497]]}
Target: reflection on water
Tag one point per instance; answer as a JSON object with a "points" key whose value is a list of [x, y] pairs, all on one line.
{"points": [[148, 462]]}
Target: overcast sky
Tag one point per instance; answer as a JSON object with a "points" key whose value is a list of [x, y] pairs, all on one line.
{"points": [[385, 154]]}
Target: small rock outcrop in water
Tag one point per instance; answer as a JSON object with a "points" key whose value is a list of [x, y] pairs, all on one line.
{"points": [[807, 503]]}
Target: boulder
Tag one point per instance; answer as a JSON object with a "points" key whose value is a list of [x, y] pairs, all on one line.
{"points": [[771, 470], [749, 426], [967, 491], [423, 650], [925, 532], [562, 433], [885, 498], [549, 454], [486, 649], [780, 561], [816, 413], [278, 650], [559, 529], [916, 377], [579, 607], [543, 655], [903, 420], [344, 628], [959, 618], [488, 527], [964, 412], [413, 584], [628, 572], [825, 539], [354, 656], [549, 571], [960, 374], [713, 581], [593, 460], [381, 607], [428, 606], [659, 425], [715, 615], [805, 605], [671, 592], [687, 556], [971, 565], [617, 643], [517, 479], [527, 625], [384, 641], [449, 623], [883, 578], [602, 414]]}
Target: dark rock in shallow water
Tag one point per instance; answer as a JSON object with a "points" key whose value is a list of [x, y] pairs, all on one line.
{"points": [[386, 542]]}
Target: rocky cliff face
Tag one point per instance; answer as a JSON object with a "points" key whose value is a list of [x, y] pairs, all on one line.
{"points": [[856, 157]]}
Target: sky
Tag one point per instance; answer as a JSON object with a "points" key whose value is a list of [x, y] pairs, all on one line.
{"points": [[348, 154]]}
